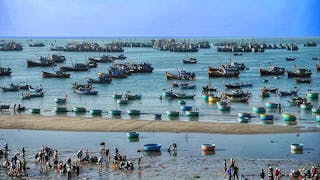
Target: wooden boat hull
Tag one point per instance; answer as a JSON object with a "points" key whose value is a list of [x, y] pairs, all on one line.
{"points": [[264, 72], [60, 110], [294, 74], [60, 100], [208, 147], [54, 75], [5, 71], [218, 73], [95, 112], [85, 92], [39, 64], [66, 68], [79, 109], [115, 112], [192, 113]]}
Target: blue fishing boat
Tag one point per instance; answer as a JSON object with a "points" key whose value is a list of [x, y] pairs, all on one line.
{"points": [[266, 117], [271, 105], [244, 115], [186, 108], [132, 135], [84, 91], [79, 109], [289, 117], [61, 100], [152, 147], [157, 116]]}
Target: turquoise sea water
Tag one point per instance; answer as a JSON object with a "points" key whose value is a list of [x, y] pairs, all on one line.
{"points": [[251, 153], [152, 85]]}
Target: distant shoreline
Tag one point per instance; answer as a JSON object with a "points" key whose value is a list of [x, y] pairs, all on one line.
{"points": [[61, 123]]}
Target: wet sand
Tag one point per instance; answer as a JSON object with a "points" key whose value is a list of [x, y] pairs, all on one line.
{"points": [[62, 123]]}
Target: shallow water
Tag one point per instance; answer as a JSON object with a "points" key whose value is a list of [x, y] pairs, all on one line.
{"points": [[251, 152], [151, 85]]}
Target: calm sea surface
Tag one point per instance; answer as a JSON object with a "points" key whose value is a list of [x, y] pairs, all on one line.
{"points": [[251, 152], [151, 85]]}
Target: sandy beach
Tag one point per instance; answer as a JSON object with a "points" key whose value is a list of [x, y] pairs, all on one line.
{"points": [[59, 123]]}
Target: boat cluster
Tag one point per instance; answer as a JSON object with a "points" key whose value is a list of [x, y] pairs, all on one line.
{"points": [[174, 46], [252, 47], [10, 46], [88, 47]]}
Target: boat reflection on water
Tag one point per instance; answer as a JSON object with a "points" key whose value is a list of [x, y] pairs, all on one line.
{"points": [[133, 139], [193, 118], [152, 153], [205, 153], [267, 122], [290, 123], [173, 117], [296, 151]]}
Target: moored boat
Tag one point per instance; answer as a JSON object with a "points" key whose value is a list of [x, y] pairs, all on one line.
{"points": [[244, 115], [172, 113], [208, 147], [60, 109], [271, 105], [306, 106], [312, 95], [296, 146], [189, 61], [213, 99], [152, 147], [303, 80], [318, 67], [290, 58], [133, 112], [5, 71], [75, 67], [186, 108], [79, 109], [315, 110], [115, 112], [273, 70], [132, 134], [40, 63], [35, 110], [11, 87], [289, 117], [117, 96], [192, 113], [223, 72], [259, 110], [266, 117], [57, 74], [299, 72], [84, 91], [95, 111], [122, 101], [61, 100]]}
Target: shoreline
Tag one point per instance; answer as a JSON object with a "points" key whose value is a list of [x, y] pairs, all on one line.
{"points": [[97, 124]]}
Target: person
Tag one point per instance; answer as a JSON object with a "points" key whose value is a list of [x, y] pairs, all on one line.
{"points": [[116, 150], [23, 151], [139, 161], [225, 165], [172, 147], [79, 155], [279, 106], [68, 171], [14, 107], [262, 175], [235, 172], [270, 173], [277, 174], [78, 169], [100, 161], [107, 155], [314, 171]]}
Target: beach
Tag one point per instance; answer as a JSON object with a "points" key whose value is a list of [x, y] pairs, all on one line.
{"points": [[63, 123]]}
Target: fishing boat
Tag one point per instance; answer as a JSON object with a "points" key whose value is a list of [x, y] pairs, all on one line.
{"points": [[19, 108], [299, 72], [269, 89], [259, 110], [11, 87], [290, 58], [4, 106], [232, 85], [132, 134], [273, 70], [236, 93], [187, 86], [223, 106], [85, 91], [243, 120], [35, 89], [306, 106], [102, 79], [43, 62], [79, 109], [117, 96], [181, 102], [58, 58], [271, 105], [152, 147], [57, 74], [172, 113], [294, 91], [75, 67], [118, 73], [60, 110], [289, 117], [182, 75], [266, 117], [189, 61], [182, 95], [296, 146], [35, 110], [312, 95], [95, 112], [132, 96], [303, 80], [61, 100], [5, 71], [208, 147], [315, 110], [192, 113], [115, 112], [223, 72], [208, 89], [186, 108], [244, 115], [122, 101], [315, 58], [133, 112], [238, 99], [234, 65], [264, 94]]}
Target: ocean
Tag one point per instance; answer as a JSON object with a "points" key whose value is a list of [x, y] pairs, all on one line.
{"points": [[151, 85]]}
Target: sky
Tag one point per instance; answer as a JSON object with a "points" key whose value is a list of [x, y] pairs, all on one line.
{"points": [[159, 18]]}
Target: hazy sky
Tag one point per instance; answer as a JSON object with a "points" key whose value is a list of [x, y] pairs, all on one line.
{"points": [[200, 18]]}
